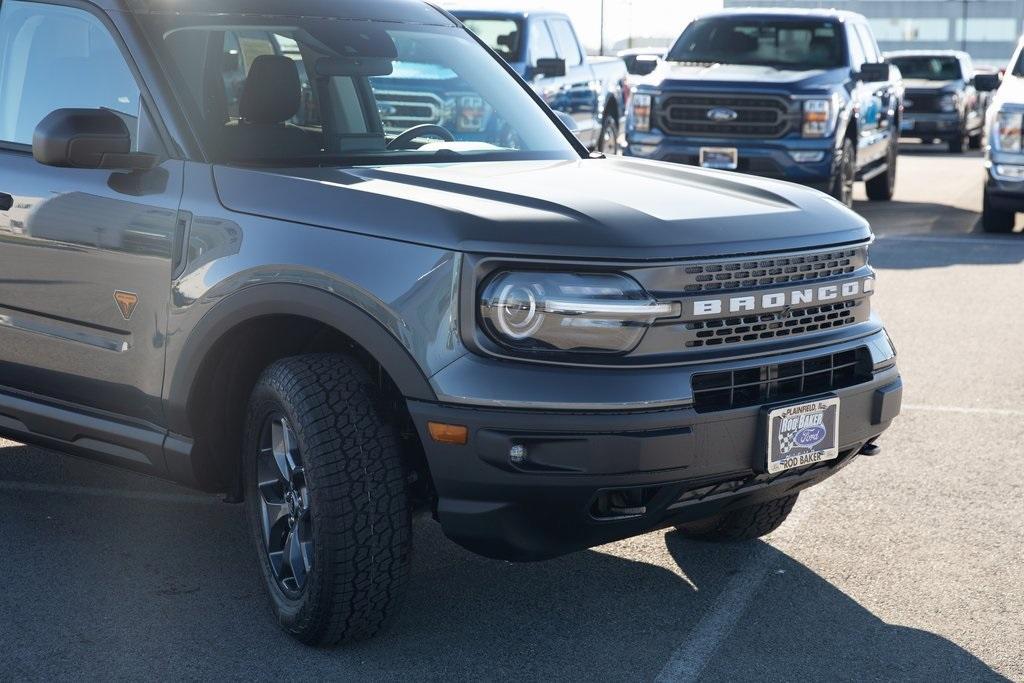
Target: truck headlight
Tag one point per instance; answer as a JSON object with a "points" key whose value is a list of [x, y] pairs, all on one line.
{"points": [[640, 111], [948, 103], [562, 312], [1007, 135], [819, 118]]}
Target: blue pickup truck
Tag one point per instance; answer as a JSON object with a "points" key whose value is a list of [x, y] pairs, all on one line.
{"points": [[544, 49], [798, 95]]}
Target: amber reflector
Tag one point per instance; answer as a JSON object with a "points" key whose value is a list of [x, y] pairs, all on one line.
{"points": [[446, 433]]}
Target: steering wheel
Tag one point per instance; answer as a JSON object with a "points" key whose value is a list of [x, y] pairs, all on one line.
{"points": [[407, 136]]}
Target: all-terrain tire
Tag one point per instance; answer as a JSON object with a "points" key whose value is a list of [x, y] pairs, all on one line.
{"points": [[882, 187], [357, 506], [743, 524], [842, 180]]}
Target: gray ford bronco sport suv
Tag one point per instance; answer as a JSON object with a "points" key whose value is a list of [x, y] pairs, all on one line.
{"points": [[219, 269]]}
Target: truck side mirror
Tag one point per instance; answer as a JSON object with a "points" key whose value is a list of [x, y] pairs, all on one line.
{"points": [[87, 138], [873, 72], [550, 67], [987, 82]]}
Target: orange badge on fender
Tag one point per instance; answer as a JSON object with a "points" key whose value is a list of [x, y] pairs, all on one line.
{"points": [[126, 302]]}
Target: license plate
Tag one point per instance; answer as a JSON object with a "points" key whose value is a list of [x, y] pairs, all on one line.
{"points": [[906, 124], [803, 434], [726, 158]]}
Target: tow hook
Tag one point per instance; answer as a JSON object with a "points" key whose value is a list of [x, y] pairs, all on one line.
{"points": [[870, 449]]}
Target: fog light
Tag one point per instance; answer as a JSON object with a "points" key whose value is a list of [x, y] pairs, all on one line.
{"points": [[1010, 171], [807, 157], [517, 454], [643, 150]]}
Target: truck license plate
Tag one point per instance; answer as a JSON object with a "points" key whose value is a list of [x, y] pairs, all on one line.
{"points": [[803, 434], [725, 158]]}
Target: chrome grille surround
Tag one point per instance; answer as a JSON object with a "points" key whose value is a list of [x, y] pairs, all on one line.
{"points": [[757, 116]]}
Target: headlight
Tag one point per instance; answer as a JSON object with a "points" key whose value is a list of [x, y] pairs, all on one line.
{"points": [[581, 312], [819, 118], [640, 106], [1007, 136], [948, 103]]}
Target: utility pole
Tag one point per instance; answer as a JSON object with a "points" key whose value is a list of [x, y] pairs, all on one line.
{"points": [[963, 42], [600, 49]]}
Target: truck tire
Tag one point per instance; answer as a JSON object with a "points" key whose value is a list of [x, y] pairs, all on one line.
{"points": [[743, 524], [996, 220], [882, 187], [843, 177], [958, 144], [608, 143], [326, 499], [975, 141]]}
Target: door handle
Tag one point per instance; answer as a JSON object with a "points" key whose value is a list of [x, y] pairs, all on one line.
{"points": [[6, 201]]}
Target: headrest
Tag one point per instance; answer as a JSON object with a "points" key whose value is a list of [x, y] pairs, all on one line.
{"points": [[272, 93]]}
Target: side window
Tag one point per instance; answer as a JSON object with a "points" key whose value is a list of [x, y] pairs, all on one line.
{"points": [[54, 57], [867, 39], [857, 56], [541, 45], [565, 39]]}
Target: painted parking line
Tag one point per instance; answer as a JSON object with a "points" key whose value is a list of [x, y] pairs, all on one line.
{"points": [[965, 410]]}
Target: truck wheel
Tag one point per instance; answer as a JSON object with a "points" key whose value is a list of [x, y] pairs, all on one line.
{"points": [[844, 175], [743, 524], [608, 143], [882, 187], [974, 142], [326, 499], [958, 144], [996, 220]]}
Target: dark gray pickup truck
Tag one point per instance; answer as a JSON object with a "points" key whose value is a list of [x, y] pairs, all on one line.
{"points": [[260, 290]]}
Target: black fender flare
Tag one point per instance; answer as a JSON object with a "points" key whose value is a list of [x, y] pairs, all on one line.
{"points": [[258, 301]]}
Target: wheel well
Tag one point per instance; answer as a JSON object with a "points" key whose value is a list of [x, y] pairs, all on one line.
{"points": [[229, 371]]}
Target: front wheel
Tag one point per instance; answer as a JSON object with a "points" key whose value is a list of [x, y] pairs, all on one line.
{"points": [[608, 143], [326, 499], [744, 524], [882, 187], [844, 175], [996, 220], [958, 144], [975, 141]]}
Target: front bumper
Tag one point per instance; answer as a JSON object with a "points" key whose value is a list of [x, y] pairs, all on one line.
{"points": [[768, 159], [669, 465], [1004, 193], [931, 125]]}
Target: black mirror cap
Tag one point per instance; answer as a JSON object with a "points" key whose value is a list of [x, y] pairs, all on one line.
{"points": [[87, 138], [987, 82], [551, 67], [873, 72]]}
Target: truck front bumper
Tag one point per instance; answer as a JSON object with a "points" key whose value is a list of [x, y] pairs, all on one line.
{"points": [[808, 162], [579, 479], [1005, 181], [928, 126]]}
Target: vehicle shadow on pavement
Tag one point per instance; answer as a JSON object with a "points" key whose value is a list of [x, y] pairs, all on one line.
{"points": [[917, 250], [798, 626]]}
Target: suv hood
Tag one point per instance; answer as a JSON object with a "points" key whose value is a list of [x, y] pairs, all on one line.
{"points": [[676, 74], [595, 208]]}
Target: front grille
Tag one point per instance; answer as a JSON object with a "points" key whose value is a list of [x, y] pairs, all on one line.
{"points": [[400, 111], [716, 391], [922, 103], [769, 326], [766, 272], [762, 116]]}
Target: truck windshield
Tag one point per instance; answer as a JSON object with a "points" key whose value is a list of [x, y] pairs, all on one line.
{"points": [[929, 68], [800, 45], [1018, 70], [504, 36], [286, 91]]}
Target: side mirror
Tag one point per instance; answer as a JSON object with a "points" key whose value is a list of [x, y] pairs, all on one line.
{"points": [[987, 82], [873, 72], [645, 65], [87, 138], [568, 121], [550, 68]]}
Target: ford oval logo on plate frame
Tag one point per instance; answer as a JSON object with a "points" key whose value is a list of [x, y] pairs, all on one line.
{"points": [[722, 114]]}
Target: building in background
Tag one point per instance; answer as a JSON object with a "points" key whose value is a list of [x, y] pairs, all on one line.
{"points": [[627, 23], [992, 26]]}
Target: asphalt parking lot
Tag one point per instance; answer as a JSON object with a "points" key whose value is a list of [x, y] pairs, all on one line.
{"points": [[906, 566]]}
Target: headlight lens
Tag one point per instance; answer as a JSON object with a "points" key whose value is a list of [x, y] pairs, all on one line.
{"points": [[948, 103], [1008, 131], [569, 312], [641, 111], [819, 118]]}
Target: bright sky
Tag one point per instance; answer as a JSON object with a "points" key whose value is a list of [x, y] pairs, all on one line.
{"points": [[663, 19]]}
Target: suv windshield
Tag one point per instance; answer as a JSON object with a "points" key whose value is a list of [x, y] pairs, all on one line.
{"points": [[781, 43], [929, 68], [287, 91]]}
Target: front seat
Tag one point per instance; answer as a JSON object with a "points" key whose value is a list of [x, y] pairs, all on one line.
{"points": [[270, 97]]}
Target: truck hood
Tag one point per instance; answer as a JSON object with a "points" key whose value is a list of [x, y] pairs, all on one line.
{"points": [[1010, 92], [671, 75], [616, 208]]}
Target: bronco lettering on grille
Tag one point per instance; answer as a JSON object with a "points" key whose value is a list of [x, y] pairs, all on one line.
{"points": [[779, 300]]}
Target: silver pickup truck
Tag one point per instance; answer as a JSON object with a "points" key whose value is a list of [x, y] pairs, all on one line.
{"points": [[1004, 154]]}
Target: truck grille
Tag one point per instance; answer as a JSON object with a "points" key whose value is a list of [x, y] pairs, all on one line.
{"points": [[922, 103], [768, 326], [784, 381], [769, 271], [762, 116], [402, 110]]}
